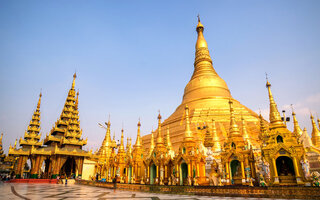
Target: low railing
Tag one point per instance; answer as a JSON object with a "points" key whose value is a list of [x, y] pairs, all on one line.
{"points": [[284, 192]]}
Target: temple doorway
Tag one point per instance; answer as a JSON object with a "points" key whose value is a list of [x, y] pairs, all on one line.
{"points": [[69, 168], [184, 174], [285, 170], [153, 173], [47, 168], [236, 175]]}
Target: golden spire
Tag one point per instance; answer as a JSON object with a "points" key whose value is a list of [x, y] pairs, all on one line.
{"points": [[296, 130], [201, 42], [39, 101], [216, 142], [159, 137], [151, 142], [187, 132], [108, 135], [315, 133], [205, 82], [234, 129], [121, 148], [74, 81], [1, 139], [138, 141], [244, 129], [274, 116], [168, 141]]}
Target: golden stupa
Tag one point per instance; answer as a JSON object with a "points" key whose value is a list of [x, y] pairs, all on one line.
{"points": [[207, 96]]}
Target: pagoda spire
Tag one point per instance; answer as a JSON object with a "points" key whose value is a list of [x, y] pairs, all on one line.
{"points": [[296, 130], [39, 101], [244, 129], [159, 137], [121, 148], [274, 116], [205, 82], [74, 81], [216, 142], [138, 141], [315, 133], [151, 143], [32, 136], [168, 141], [234, 129], [187, 132]]}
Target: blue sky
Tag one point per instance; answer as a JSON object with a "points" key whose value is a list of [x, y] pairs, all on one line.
{"points": [[133, 58]]}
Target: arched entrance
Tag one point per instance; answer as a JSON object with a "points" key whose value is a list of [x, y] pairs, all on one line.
{"points": [[153, 173], [285, 166], [285, 170], [69, 168], [183, 174], [236, 175]]}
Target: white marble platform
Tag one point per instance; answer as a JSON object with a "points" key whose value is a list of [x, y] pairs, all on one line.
{"points": [[78, 192]]}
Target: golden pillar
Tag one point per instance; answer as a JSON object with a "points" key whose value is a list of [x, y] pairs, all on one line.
{"points": [[274, 167], [227, 171], [157, 175], [242, 170], [165, 171], [296, 169], [189, 170]]}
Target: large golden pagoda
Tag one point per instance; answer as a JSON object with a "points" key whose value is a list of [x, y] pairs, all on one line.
{"points": [[207, 96]]}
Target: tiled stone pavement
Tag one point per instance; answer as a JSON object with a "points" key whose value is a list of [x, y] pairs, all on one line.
{"points": [[55, 191]]}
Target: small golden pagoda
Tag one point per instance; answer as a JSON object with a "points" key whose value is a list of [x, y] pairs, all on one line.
{"points": [[104, 154], [138, 166], [157, 158], [120, 161], [189, 161], [237, 156], [281, 149]]}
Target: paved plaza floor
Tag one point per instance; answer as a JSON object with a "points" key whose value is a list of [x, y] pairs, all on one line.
{"points": [[59, 191]]}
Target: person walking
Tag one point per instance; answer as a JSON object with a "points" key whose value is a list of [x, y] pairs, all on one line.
{"points": [[114, 181]]}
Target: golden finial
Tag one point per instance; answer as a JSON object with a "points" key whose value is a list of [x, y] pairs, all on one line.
{"points": [[15, 143], [198, 18], [159, 138], [138, 140], [74, 80], [39, 101], [139, 124]]}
